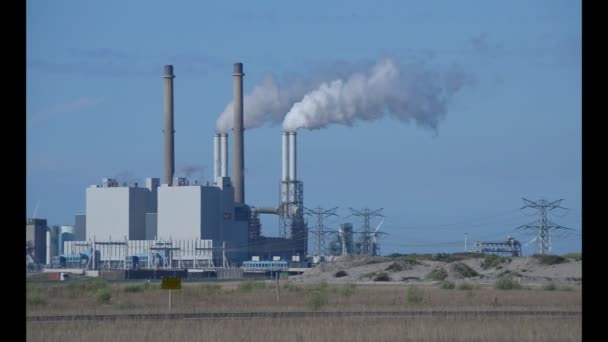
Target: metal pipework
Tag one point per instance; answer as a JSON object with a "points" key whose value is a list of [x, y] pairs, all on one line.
{"points": [[217, 167], [292, 156], [266, 210], [169, 161], [224, 155], [239, 148], [285, 158]]}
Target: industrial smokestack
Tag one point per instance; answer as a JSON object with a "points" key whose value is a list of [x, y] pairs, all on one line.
{"points": [[292, 156], [169, 162], [48, 245], [224, 154], [239, 147], [217, 167], [285, 159]]}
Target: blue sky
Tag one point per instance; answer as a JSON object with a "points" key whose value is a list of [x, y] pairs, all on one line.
{"points": [[94, 108]]}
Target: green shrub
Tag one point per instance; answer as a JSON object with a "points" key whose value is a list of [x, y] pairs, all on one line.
{"points": [[508, 273], [549, 259], [376, 260], [574, 256], [103, 296], [447, 285], [492, 260], [507, 283], [442, 256], [381, 276], [347, 290], [292, 288], [550, 287], [317, 297], [124, 305], [35, 300], [133, 288], [414, 295], [248, 286], [340, 273], [211, 288], [464, 270], [464, 286], [439, 273], [368, 275], [78, 286], [396, 255], [394, 267]]}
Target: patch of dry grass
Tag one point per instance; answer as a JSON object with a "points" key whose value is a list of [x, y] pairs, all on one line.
{"points": [[310, 329], [230, 297]]}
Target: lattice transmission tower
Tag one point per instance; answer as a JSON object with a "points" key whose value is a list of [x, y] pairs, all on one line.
{"points": [[319, 230], [367, 237], [543, 225]]}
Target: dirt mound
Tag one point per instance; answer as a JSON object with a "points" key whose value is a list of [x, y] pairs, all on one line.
{"points": [[431, 269]]}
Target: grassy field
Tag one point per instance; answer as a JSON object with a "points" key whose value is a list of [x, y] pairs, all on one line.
{"points": [[345, 329], [100, 297]]}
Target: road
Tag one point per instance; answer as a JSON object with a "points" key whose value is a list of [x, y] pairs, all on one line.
{"points": [[296, 314]]}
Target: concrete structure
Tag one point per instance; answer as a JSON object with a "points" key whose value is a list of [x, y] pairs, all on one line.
{"points": [[152, 184], [169, 161], [239, 146], [188, 212], [80, 227], [35, 235], [118, 212], [151, 226], [203, 212]]}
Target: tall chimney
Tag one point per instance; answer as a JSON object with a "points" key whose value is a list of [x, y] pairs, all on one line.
{"points": [[285, 158], [217, 148], [224, 154], [292, 156], [239, 148], [169, 162]]}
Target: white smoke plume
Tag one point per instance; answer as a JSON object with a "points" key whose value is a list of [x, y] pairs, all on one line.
{"points": [[406, 93], [268, 101]]}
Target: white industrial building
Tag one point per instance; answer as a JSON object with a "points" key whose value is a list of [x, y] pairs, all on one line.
{"points": [[202, 212], [119, 212]]}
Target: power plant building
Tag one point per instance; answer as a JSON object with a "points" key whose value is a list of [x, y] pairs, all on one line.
{"points": [[35, 237], [80, 227], [176, 210], [118, 212]]}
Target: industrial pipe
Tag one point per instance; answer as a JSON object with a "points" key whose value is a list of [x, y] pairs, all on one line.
{"points": [[285, 158], [292, 156], [216, 157], [224, 155]]}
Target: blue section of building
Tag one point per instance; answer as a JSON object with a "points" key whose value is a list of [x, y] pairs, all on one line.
{"points": [[265, 265]]}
